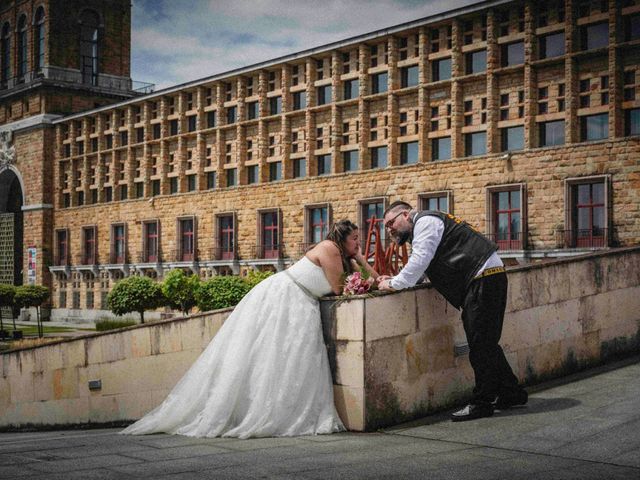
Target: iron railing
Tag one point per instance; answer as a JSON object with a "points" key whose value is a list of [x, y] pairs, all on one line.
{"points": [[584, 238], [508, 241], [87, 259], [268, 251], [219, 253], [186, 256]]}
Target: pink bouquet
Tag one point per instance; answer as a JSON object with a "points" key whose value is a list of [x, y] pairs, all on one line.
{"points": [[355, 284]]}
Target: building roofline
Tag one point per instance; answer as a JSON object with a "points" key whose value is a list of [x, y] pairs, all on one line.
{"points": [[439, 17]]}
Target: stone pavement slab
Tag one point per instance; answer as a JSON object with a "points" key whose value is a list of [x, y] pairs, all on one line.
{"points": [[582, 427]]}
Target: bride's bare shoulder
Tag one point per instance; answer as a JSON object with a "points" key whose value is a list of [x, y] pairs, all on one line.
{"points": [[328, 247]]}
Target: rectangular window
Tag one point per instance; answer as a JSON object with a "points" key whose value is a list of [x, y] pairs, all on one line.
{"points": [[475, 143], [156, 131], [512, 54], [632, 27], [192, 183], [632, 121], [89, 300], [595, 36], [552, 45], [211, 119], [324, 94], [318, 224], [187, 240], [379, 157], [173, 127], [232, 177], [191, 123], [232, 113], [226, 238], [299, 168], [150, 231], [173, 185], [275, 171], [324, 164], [594, 127], [588, 215], [118, 244], [155, 188], [379, 82], [270, 237], [211, 180], [252, 174], [88, 246], [62, 245], [124, 192], [507, 219], [350, 160], [372, 219], [552, 133], [441, 69], [299, 100], [409, 76], [476, 62], [441, 148], [408, 153], [351, 89], [108, 194], [275, 105], [512, 138], [139, 190], [434, 202]]}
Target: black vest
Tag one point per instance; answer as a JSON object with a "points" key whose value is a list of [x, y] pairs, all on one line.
{"points": [[461, 253]]}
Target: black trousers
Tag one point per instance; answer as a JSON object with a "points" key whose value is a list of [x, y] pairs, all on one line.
{"points": [[482, 316]]}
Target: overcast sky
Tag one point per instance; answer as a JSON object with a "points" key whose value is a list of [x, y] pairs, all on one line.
{"points": [[176, 41]]}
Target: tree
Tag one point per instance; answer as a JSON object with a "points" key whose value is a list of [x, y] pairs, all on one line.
{"points": [[221, 292], [180, 290], [7, 294], [135, 294], [32, 296]]}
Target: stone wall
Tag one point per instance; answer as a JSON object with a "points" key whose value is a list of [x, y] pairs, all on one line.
{"points": [[400, 356], [394, 356]]}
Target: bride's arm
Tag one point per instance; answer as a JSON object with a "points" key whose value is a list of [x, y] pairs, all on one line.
{"points": [[331, 263]]}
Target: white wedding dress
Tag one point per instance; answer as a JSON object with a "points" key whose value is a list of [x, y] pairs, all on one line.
{"points": [[265, 373]]}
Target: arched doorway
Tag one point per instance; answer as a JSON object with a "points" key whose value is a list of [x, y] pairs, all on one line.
{"points": [[11, 227]]}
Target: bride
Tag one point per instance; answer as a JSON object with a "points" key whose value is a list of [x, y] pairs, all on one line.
{"points": [[266, 372]]}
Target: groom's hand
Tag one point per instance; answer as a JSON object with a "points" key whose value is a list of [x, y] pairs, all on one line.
{"points": [[385, 284]]}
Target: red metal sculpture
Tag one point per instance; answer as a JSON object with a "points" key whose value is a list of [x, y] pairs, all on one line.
{"points": [[387, 261]]}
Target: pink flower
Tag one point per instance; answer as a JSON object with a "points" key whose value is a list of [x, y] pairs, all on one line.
{"points": [[356, 285]]}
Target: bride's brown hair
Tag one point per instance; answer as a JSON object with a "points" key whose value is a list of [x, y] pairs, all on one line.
{"points": [[338, 235]]}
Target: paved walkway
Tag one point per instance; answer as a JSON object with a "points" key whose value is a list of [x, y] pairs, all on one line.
{"points": [[585, 427]]}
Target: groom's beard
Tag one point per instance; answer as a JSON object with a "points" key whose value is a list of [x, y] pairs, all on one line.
{"points": [[402, 237]]}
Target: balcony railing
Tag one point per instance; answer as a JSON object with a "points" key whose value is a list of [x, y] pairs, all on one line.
{"points": [[584, 238], [61, 261], [268, 251], [508, 241], [219, 253], [117, 259], [147, 257], [185, 256], [304, 248], [87, 259]]}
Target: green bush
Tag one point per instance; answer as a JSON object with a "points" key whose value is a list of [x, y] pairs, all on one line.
{"points": [[135, 294], [105, 324], [256, 276], [179, 290], [221, 292]]}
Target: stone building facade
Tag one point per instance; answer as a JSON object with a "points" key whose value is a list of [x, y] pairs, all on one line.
{"points": [[521, 117]]}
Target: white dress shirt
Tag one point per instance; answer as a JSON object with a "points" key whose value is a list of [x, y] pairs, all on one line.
{"points": [[427, 234]]}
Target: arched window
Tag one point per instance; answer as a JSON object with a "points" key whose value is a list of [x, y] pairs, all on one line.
{"points": [[5, 51], [89, 22], [38, 39], [22, 46]]}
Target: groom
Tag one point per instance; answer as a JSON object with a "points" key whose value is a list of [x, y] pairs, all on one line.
{"points": [[464, 267]]}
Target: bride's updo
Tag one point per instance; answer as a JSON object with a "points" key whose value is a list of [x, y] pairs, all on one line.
{"points": [[338, 234]]}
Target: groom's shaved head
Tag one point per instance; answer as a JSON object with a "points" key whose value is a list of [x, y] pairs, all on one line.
{"points": [[397, 206]]}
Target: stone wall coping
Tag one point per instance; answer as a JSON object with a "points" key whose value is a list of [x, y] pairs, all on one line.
{"points": [[512, 269], [119, 330]]}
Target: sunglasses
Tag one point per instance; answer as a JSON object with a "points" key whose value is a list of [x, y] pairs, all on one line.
{"points": [[389, 224]]}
